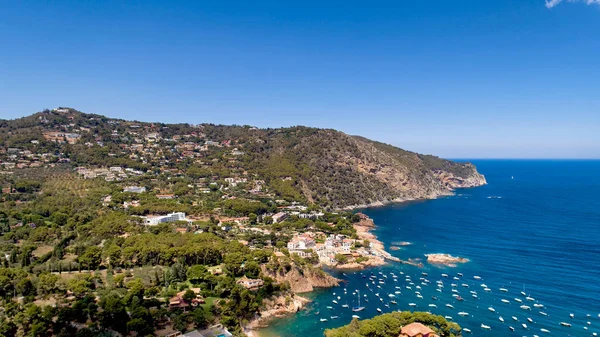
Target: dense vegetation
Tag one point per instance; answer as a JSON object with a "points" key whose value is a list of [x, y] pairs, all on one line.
{"points": [[75, 188], [323, 166], [389, 325]]}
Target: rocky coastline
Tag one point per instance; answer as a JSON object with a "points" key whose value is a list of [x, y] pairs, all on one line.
{"points": [[449, 183], [275, 307], [445, 260]]}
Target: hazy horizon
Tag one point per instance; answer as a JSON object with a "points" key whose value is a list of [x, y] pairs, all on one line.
{"points": [[491, 79]]}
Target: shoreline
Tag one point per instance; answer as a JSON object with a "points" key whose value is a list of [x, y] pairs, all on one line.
{"points": [[364, 230], [471, 182]]}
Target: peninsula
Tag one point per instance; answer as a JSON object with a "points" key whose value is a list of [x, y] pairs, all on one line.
{"points": [[109, 225]]}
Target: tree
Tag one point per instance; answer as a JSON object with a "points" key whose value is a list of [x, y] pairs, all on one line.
{"points": [[91, 258], [47, 284], [341, 258], [189, 295], [196, 273]]}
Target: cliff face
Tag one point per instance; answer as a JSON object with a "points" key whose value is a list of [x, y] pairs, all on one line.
{"points": [[341, 171], [303, 280]]}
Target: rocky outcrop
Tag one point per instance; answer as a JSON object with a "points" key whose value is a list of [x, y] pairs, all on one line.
{"points": [[445, 259], [302, 280], [278, 306]]}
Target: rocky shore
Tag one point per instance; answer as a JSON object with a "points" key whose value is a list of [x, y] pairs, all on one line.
{"points": [[447, 181], [305, 280], [276, 307], [445, 259]]}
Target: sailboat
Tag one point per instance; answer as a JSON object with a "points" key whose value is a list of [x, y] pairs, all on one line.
{"points": [[358, 307]]}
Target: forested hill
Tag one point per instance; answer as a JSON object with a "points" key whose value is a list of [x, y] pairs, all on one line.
{"points": [[321, 166]]}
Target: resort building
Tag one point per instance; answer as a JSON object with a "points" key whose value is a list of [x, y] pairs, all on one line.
{"points": [[171, 217], [134, 189], [301, 242]]}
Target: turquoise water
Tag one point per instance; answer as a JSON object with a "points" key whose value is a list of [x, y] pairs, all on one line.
{"points": [[538, 233]]}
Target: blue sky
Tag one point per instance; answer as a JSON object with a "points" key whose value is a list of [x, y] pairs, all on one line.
{"points": [[459, 79]]}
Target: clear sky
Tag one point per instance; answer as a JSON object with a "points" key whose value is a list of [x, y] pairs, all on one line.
{"points": [[459, 79]]}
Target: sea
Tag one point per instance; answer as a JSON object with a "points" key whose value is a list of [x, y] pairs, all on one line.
{"points": [[534, 229]]}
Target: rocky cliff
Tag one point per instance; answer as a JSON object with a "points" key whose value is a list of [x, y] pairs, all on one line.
{"points": [[343, 171], [302, 280]]}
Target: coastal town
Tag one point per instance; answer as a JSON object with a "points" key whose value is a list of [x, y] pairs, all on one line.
{"points": [[155, 206]]}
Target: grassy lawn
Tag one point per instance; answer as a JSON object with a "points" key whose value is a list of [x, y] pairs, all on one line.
{"points": [[42, 250], [209, 301]]}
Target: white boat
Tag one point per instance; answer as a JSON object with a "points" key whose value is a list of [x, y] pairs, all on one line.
{"points": [[334, 317], [477, 277], [334, 301], [378, 310], [323, 320], [356, 316], [345, 306], [514, 318], [462, 313], [444, 275], [530, 320], [537, 305], [518, 300], [412, 305], [483, 285], [501, 319], [492, 309], [465, 285], [467, 330], [450, 306], [529, 298], [433, 306], [571, 315], [545, 330], [448, 317], [504, 290], [523, 293], [525, 307], [543, 313], [329, 307], [358, 307], [487, 327], [511, 328], [565, 324], [524, 326], [392, 295], [505, 301], [487, 289]]}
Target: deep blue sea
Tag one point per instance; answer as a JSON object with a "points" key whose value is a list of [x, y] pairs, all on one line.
{"points": [[535, 228]]}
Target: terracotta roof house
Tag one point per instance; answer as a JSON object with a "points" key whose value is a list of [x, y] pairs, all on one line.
{"points": [[177, 301], [417, 330]]}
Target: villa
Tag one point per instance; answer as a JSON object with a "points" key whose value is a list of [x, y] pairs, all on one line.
{"points": [[416, 330]]}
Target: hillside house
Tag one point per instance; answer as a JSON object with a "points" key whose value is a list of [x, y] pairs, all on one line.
{"points": [[416, 330]]}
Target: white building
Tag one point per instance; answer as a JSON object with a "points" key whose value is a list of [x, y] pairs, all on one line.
{"points": [[171, 217]]}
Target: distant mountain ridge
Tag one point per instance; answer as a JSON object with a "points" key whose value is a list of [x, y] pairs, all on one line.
{"points": [[322, 166]]}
